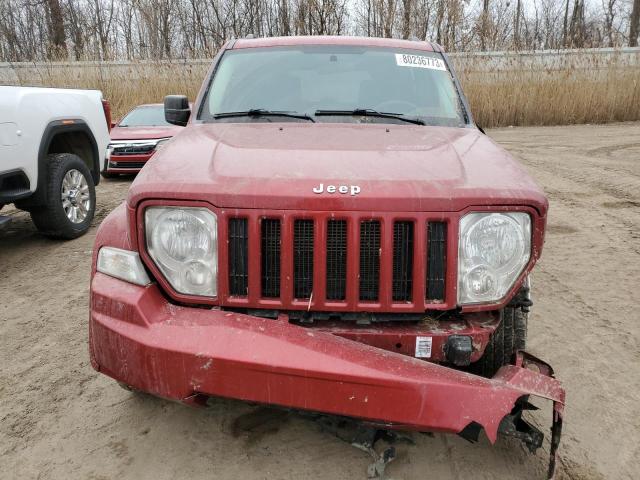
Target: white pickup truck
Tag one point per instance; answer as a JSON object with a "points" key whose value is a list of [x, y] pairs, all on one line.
{"points": [[52, 144]]}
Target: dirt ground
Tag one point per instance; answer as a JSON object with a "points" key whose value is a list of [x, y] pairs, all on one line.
{"points": [[60, 419]]}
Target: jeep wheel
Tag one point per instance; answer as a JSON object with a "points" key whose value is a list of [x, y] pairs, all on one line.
{"points": [[71, 198], [510, 336]]}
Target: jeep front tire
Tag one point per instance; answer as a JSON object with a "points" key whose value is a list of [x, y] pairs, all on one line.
{"points": [[71, 198], [506, 340]]}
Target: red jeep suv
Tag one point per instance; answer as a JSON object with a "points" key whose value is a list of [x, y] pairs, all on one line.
{"points": [[330, 233]]}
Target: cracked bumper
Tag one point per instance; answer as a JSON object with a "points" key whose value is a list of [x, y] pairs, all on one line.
{"points": [[138, 338]]}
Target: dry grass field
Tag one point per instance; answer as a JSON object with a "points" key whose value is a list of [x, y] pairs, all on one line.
{"points": [[554, 97], [594, 89]]}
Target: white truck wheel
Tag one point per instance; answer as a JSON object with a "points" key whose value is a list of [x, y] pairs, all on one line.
{"points": [[71, 198]]}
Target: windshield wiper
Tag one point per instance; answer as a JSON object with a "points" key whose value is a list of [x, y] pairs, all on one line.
{"points": [[368, 112], [261, 112]]}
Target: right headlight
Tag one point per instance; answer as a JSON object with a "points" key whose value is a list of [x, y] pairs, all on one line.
{"points": [[183, 243], [493, 250]]}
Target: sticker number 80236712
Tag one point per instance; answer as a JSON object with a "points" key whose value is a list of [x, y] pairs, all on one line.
{"points": [[420, 61]]}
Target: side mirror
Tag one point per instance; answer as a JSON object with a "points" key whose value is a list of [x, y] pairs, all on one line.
{"points": [[176, 109]]}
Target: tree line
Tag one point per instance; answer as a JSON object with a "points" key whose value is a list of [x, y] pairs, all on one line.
{"points": [[34, 30]]}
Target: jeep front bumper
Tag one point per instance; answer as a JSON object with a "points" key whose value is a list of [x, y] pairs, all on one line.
{"points": [[183, 353]]}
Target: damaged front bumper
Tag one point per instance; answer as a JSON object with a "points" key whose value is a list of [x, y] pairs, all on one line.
{"points": [[185, 354]]}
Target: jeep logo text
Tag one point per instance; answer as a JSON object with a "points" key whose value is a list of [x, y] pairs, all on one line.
{"points": [[343, 189]]}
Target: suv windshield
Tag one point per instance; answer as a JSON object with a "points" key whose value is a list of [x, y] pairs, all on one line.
{"points": [[147, 116], [333, 84]]}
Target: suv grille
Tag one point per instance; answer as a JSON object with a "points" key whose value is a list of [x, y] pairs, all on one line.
{"points": [[270, 258], [369, 259], [238, 256], [131, 165], [279, 262], [302, 258], [436, 259], [133, 149], [336, 259], [402, 261]]}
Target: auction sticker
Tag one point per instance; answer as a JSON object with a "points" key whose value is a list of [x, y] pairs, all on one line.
{"points": [[423, 347], [420, 61]]}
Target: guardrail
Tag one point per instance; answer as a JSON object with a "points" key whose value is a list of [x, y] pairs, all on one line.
{"points": [[464, 62]]}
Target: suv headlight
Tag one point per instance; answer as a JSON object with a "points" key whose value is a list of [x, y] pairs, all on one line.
{"points": [[493, 250], [183, 243]]}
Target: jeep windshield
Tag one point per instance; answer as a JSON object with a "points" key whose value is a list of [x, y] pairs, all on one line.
{"points": [[333, 84]]}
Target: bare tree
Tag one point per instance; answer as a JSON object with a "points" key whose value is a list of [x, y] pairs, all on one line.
{"points": [[56, 29], [576, 27], [608, 6], [634, 24], [153, 29], [516, 26], [484, 24], [407, 11], [565, 24]]}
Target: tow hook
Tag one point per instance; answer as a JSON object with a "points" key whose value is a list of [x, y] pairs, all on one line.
{"points": [[523, 299], [458, 350]]}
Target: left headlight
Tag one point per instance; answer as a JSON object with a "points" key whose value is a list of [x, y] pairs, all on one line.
{"points": [[183, 243], [493, 250]]}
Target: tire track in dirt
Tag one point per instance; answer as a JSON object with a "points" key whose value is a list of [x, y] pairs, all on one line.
{"points": [[586, 282]]}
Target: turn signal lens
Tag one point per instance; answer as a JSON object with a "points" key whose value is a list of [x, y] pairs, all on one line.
{"points": [[122, 264]]}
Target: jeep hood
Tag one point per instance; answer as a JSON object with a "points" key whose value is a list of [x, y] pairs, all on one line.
{"points": [[144, 133], [278, 165]]}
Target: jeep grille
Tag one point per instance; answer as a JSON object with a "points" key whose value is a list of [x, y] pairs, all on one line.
{"points": [[334, 264]]}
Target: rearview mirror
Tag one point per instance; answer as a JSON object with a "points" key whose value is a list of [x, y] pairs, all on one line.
{"points": [[176, 109]]}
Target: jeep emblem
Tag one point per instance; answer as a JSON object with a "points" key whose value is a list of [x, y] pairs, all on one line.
{"points": [[343, 189]]}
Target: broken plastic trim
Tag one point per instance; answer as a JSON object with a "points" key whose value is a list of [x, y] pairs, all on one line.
{"points": [[514, 425]]}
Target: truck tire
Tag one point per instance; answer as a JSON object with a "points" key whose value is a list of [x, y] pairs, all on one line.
{"points": [[71, 198], [509, 337]]}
